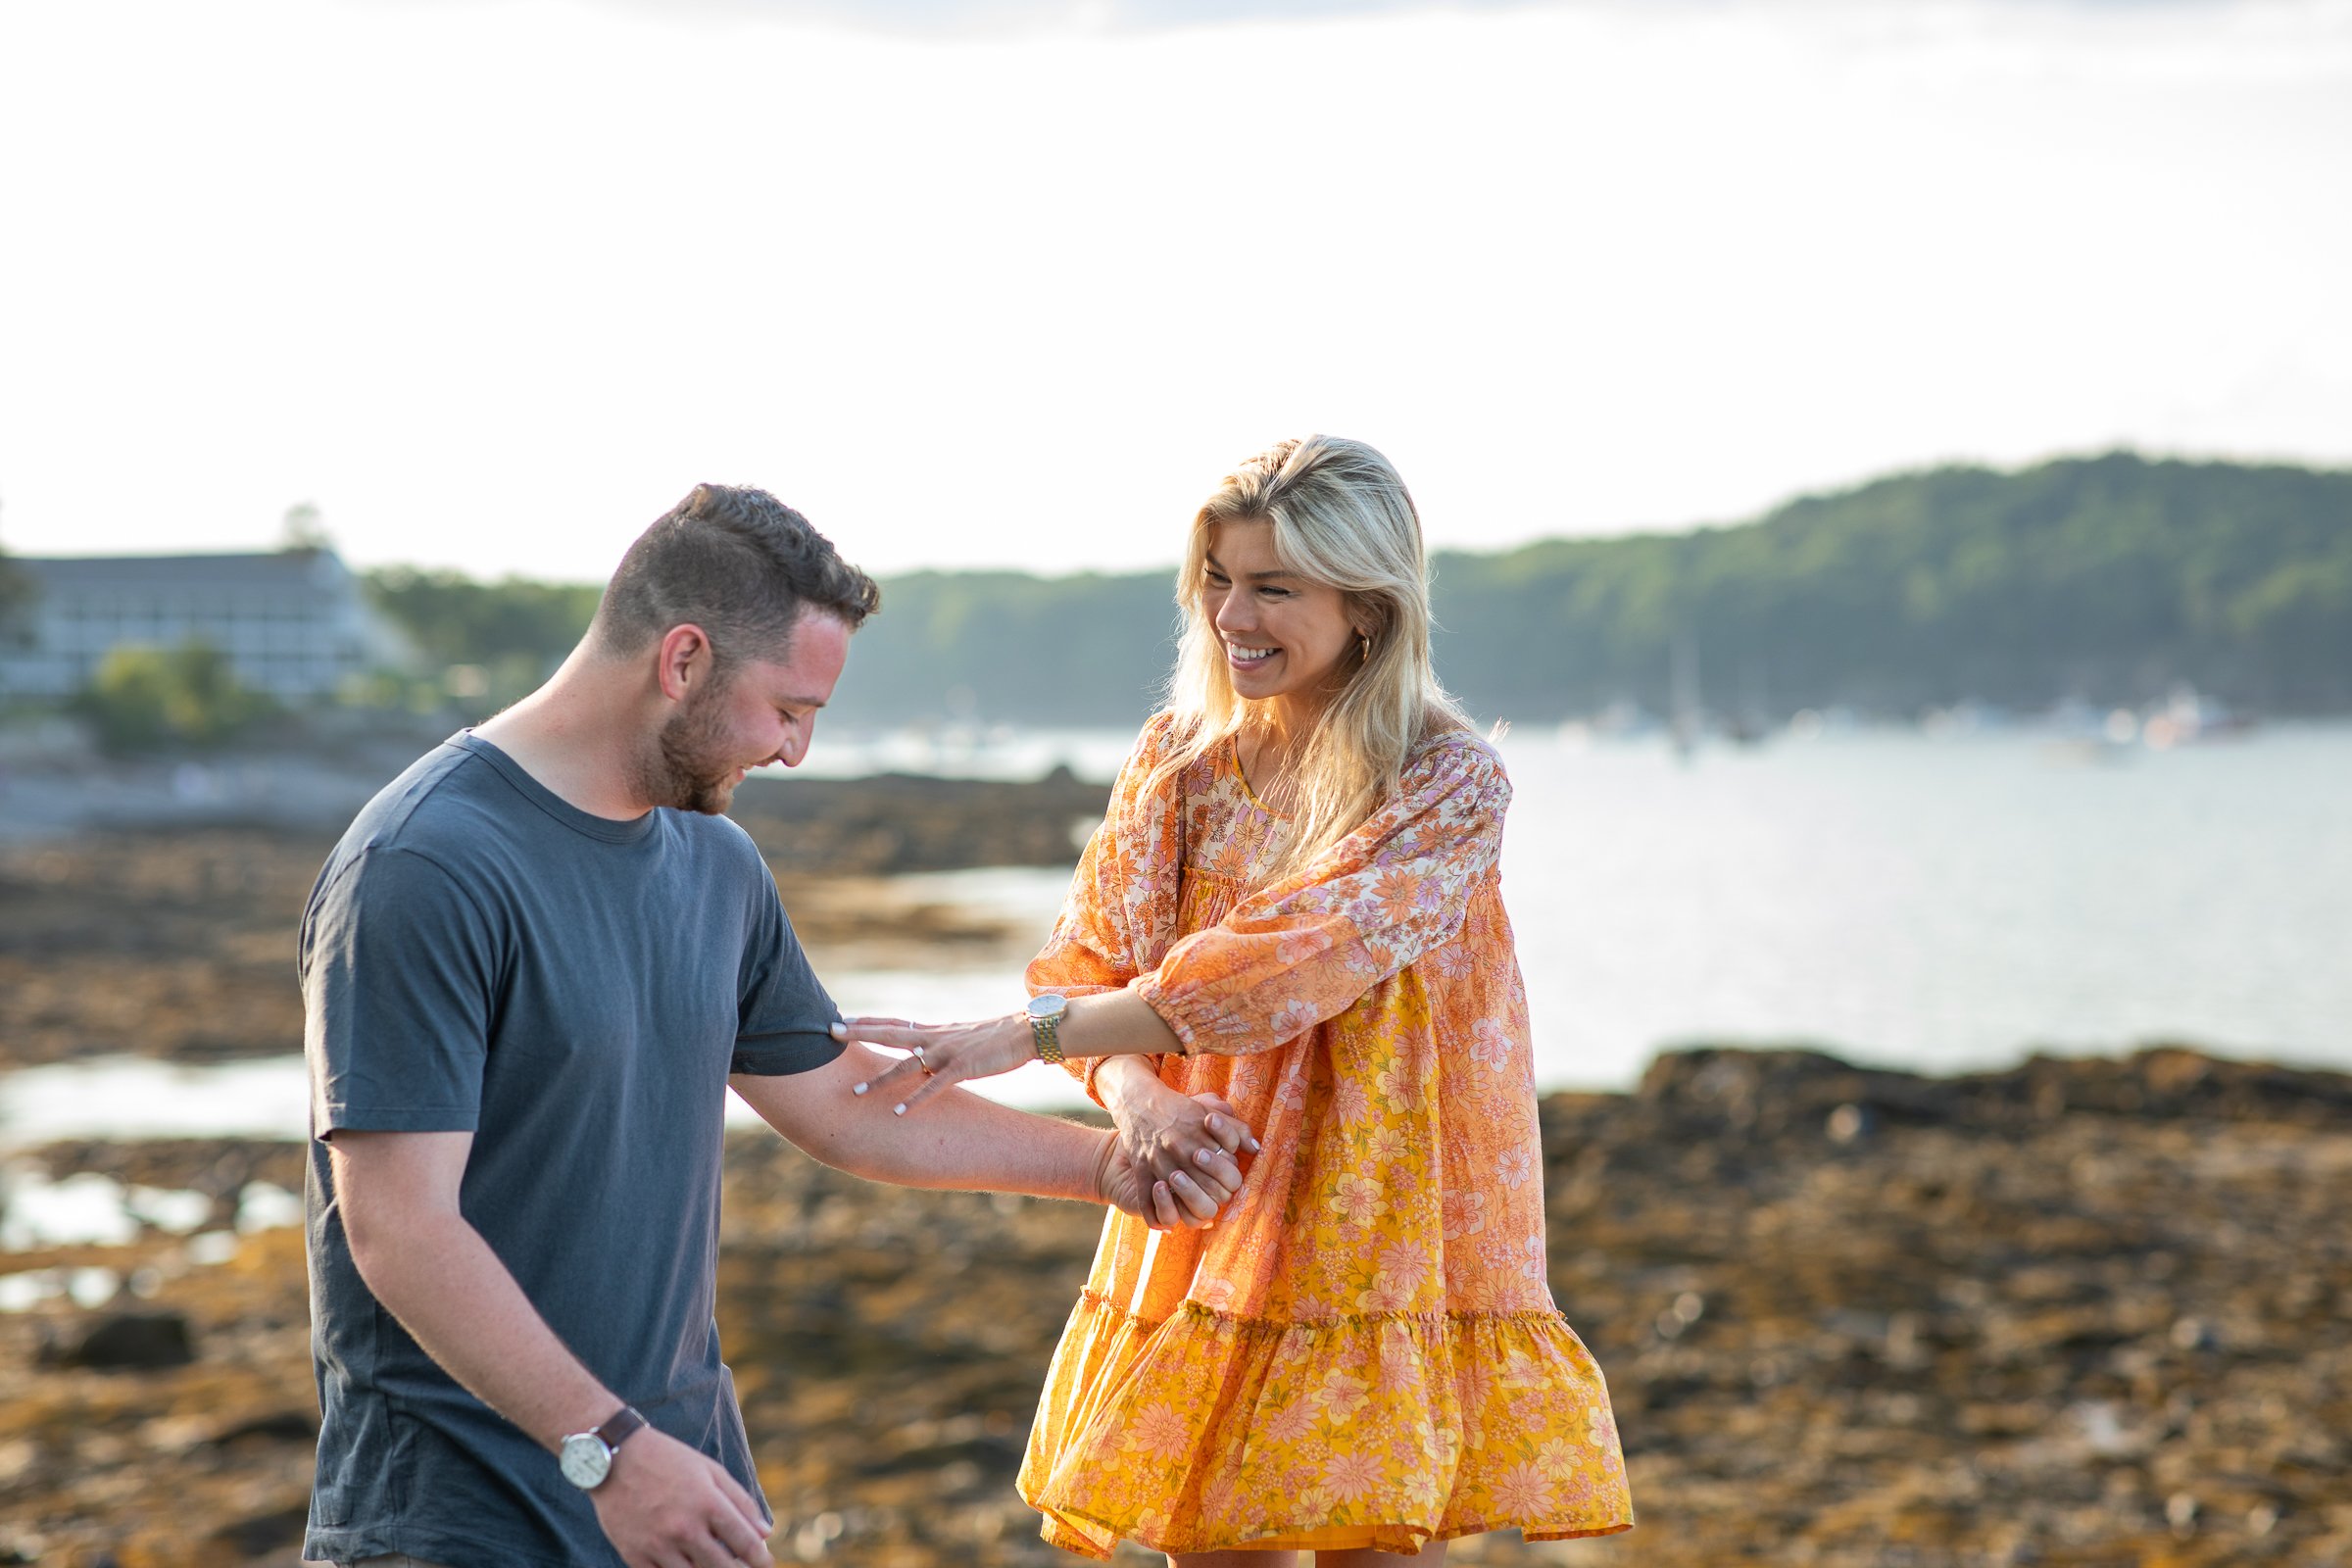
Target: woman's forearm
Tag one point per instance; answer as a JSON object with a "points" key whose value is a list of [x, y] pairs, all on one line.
{"points": [[1115, 1023]]}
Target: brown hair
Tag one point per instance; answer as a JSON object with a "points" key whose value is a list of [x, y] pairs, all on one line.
{"points": [[735, 561]]}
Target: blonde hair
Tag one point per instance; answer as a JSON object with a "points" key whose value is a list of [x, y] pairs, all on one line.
{"points": [[1342, 516]]}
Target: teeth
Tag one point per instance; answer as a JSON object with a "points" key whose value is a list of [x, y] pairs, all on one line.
{"points": [[1249, 656]]}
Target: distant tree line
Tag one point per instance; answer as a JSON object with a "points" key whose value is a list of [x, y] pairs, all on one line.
{"points": [[455, 621], [2105, 579], [512, 632]]}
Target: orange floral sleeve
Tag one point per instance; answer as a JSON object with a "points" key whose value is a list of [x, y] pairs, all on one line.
{"points": [[1308, 947], [1095, 940]]}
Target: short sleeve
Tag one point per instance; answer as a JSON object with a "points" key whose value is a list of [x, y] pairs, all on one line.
{"points": [[399, 970], [1307, 947], [784, 1022]]}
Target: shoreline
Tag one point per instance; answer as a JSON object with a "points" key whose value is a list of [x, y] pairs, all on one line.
{"points": [[173, 940]]}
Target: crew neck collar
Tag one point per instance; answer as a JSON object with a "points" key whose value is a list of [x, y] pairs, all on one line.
{"points": [[585, 823]]}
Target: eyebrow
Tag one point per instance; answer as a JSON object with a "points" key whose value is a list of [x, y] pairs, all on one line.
{"points": [[1255, 576]]}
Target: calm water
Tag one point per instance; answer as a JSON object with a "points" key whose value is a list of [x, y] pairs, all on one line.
{"points": [[1935, 904]]}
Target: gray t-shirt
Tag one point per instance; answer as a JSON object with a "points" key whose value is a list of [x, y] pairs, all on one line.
{"points": [[480, 957]]}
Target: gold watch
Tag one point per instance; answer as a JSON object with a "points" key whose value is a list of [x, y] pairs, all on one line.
{"points": [[1045, 1025]]}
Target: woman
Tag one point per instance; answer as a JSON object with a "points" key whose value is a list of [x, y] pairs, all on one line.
{"points": [[1293, 905]]}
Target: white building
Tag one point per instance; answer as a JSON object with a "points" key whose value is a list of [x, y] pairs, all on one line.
{"points": [[293, 624]]}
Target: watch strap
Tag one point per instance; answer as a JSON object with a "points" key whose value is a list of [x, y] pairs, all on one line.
{"points": [[618, 1427], [1047, 1032]]}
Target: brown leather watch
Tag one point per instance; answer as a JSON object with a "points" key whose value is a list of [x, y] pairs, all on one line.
{"points": [[586, 1456]]}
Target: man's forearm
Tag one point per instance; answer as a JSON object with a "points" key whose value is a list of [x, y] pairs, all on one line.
{"points": [[959, 1140], [435, 1274]]}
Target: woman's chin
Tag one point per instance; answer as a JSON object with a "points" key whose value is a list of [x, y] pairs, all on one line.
{"points": [[1257, 680]]}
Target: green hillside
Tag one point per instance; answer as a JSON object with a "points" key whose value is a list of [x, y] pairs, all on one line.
{"points": [[2107, 579]]}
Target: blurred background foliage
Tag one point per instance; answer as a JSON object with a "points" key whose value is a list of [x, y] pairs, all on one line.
{"points": [[455, 621], [145, 698]]}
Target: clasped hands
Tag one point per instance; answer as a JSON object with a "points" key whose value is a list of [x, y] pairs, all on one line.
{"points": [[1174, 1160]]}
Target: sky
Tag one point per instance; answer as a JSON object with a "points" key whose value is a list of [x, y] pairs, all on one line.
{"points": [[1012, 282]]}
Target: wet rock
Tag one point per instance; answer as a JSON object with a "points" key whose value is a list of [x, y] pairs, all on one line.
{"points": [[123, 1341], [262, 1534], [899, 822], [1988, 1332], [278, 1426]]}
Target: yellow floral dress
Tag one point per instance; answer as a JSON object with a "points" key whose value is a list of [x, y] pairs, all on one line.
{"points": [[1363, 1350]]}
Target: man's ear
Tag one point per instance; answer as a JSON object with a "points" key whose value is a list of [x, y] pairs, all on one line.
{"points": [[686, 660]]}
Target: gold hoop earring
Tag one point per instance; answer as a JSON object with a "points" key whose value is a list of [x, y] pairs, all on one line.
{"points": [[1363, 645]]}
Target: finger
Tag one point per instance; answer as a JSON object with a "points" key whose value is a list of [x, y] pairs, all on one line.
{"points": [[898, 1037], [746, 1528], [1196, 1202], [937, 1083], [870, 1020], [946, 1071], [1227, 1127], [1230, 1134], [892, 1083], [1163, 1163], [1165, 1215], [1216, 1191], [736, 1541], [1219, 1168]]}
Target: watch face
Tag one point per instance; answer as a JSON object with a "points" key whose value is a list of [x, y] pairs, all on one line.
{"points": [[585, 1460], [1052, 1004]]}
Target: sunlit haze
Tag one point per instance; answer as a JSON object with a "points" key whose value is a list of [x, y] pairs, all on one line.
{"points": [[1004, 285]]}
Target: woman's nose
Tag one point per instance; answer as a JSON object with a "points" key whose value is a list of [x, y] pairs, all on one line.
{"points": [[1234, 614]]}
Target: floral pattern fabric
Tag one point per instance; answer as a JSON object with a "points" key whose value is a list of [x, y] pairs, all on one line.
{"points": [[1363, 1350]]}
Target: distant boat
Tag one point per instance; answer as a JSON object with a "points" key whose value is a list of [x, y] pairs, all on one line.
{"points": [[1688, 716], [2189, 717]]}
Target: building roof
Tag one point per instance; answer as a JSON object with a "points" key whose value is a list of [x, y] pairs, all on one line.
{"points": [[283, 568]]}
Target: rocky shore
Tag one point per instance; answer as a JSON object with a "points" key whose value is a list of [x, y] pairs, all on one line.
{"points": [[2081, 1313]]}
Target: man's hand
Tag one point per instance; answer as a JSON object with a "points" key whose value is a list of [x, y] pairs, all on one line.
{"points": [[1163, 1131], [665, 1505], [1178, 1203], [1184, 1199]]}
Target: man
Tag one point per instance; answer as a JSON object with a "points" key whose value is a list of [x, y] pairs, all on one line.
{"points": [[530, 971]]}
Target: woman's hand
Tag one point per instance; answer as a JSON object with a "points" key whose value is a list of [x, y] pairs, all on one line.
{"points": [[1166, 1133], [1178, 1203], [939, 1053]]}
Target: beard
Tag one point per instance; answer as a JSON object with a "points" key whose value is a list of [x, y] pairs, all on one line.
{"points": [[686, 769]]}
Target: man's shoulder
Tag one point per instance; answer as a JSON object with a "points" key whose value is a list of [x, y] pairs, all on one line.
{"points": [[448, 811], [445, 794], [719, 841]]}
